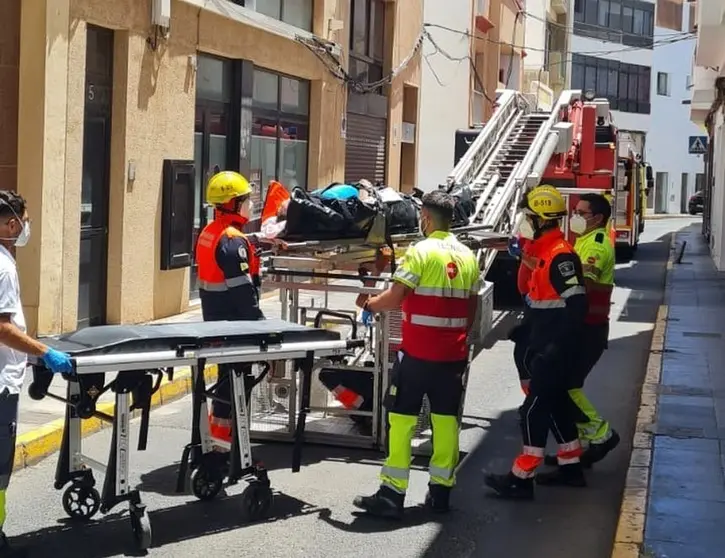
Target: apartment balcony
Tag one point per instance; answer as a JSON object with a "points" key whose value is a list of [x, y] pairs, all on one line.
{"points": [[556, 67], [511, 27], [560, 7], [482, 16], [710, 49], [703, 93]]}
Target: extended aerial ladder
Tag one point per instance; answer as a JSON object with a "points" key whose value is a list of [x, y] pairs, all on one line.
{"points": [[509, 156]]}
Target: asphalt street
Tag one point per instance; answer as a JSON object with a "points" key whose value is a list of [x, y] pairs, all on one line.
{"points": [[313, 514]]}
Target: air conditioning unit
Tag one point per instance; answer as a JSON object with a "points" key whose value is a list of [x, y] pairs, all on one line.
{"points": [[161, 13]]}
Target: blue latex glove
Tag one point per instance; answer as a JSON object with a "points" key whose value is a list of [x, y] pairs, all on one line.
{"points": [[366, 317], [514, 248], [57, 362]]}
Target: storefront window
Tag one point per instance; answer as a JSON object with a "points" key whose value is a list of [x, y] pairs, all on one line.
{"points": [[280, 127]]}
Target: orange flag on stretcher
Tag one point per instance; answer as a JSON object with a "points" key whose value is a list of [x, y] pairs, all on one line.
{"points": [[276, 196]]}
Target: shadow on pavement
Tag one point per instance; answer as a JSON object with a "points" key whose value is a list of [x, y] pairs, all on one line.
{"points": [[111, 535]]}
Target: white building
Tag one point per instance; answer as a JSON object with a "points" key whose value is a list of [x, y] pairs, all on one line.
{"points": [[708, 97], [678, 174], [612, 55], [636, 53], [548, 32], [487, 35], [445, 89]]}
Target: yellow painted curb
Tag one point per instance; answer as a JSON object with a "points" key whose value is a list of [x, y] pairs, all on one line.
{"points": [[629, 536], [33, 446]]}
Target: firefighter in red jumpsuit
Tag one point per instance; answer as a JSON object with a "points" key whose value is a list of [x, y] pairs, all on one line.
{"points": [[228, 272], [556, 306]]}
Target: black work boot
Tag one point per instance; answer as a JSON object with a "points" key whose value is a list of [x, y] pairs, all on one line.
{"points": [[384, 503], [8, 551], [438, 498], [511, 487], [596, 452], [563, 475]]}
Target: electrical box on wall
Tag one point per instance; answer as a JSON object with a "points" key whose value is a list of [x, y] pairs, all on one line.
{"points": [[177, 214], [161, 13]]}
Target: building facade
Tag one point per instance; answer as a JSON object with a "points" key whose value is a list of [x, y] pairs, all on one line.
{"points": [[612, 53], [127, 108], [548, 38], [708, 99], [678, 173], [635, 52], [472, 48]]}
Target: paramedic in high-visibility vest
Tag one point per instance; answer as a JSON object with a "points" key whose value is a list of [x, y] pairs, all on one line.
{"points": [[437, 285], [228, 275], [596, 252], [556, 306]]}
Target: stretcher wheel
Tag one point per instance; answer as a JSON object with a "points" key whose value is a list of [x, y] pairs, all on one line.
{"points": [[256, 501], [36, 392], [205, 483], [85, 409], [141, 526], [81, 502]]}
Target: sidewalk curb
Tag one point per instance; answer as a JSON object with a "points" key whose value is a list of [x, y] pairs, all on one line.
{"points": [[660, 216], [629, 536], [32, 447]]}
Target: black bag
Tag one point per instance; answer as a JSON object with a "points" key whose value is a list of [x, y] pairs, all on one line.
{"points": [[404, 215], [307, 215], [464, 208]]}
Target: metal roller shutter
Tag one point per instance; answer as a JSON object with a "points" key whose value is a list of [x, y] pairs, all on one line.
{"points": [[365, 148]]}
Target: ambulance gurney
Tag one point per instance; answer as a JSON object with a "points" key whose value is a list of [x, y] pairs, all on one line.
{"points": [[138, 357]]}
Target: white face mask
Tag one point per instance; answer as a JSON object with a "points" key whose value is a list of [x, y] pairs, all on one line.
{"points": [[24, 235], [246, 209], [526, 229], [577, 224]]}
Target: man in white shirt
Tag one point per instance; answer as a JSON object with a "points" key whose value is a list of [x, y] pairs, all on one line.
{"points": [[15, 345]]}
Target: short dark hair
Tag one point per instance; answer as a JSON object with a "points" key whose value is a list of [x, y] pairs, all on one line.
{"points": [[599, 205], [440, 205], [12, 204]]}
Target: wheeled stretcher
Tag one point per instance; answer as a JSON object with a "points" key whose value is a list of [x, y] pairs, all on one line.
{"points": [[139, 356]]}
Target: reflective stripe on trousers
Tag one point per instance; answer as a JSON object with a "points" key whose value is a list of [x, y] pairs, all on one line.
{"points": [[348, 398], [396, 469], [596, 430], [526, 463], [443, 462], [569, 453]]}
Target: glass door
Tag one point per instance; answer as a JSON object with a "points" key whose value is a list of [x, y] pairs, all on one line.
{"points": [[95, 180], [211, 132]]}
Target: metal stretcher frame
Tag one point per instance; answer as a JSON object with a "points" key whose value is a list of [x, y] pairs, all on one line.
{"points": [[81, 500], [284, 280]]}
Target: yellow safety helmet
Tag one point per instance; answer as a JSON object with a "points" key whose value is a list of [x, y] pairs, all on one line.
{"points": [[545, 202], [225, 186]]}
